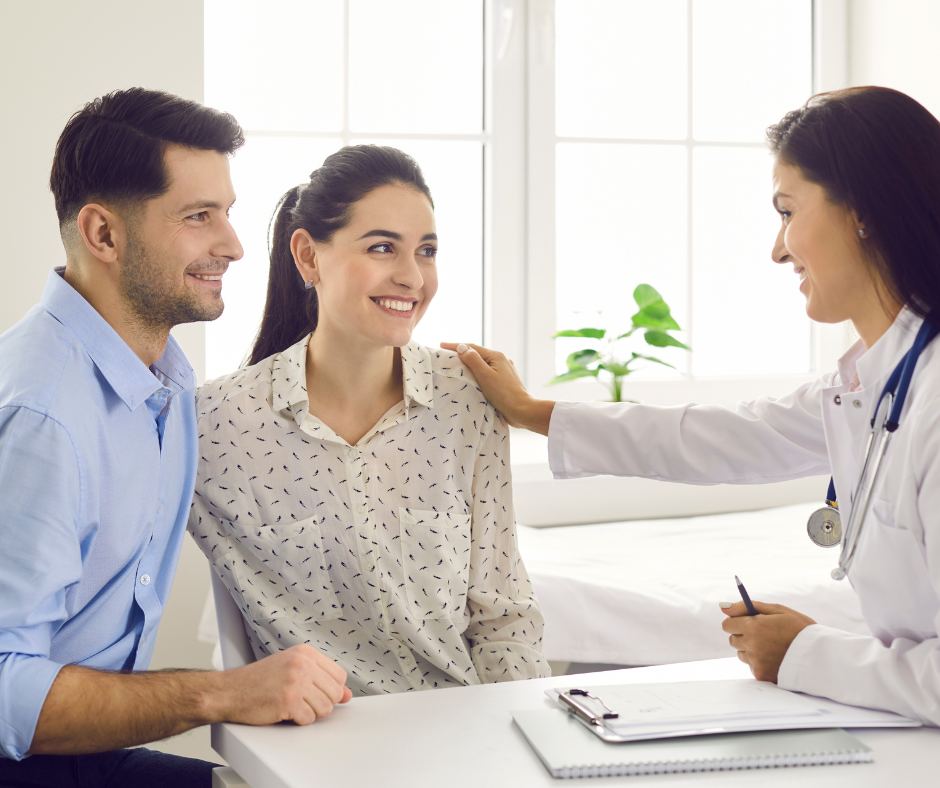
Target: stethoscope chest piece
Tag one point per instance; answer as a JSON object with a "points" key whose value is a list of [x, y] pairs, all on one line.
{"points": [[825, 527]]}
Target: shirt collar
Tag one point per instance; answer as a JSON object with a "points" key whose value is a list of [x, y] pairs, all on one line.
{"points": [[289, 380], [130, 378], [417, 372], [874, 365]]}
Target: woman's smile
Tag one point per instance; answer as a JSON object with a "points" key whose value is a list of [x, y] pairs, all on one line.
{"points": [[399, 307]]}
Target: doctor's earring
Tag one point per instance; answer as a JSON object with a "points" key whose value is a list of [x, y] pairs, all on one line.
{"points": [[308, 285], [861, 232]]}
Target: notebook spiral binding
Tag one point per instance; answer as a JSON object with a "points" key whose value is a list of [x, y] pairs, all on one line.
{"points": [[715, 765]]}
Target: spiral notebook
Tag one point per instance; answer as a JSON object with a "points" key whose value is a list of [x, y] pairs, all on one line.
{"points": [[568, 749]]}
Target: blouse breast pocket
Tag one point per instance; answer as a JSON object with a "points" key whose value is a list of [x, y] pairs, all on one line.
{"points": [[436, 560], [281, 565]]}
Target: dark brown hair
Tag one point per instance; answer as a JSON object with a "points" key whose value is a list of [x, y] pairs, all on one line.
{"points": [[876, 151], [321, 207], [112, 149]]}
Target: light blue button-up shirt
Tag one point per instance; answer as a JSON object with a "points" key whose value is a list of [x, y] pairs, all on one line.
{"points": [[97, 466]]}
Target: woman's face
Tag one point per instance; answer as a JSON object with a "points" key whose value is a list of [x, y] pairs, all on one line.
{"points": [[820, 239], [377, 276]]}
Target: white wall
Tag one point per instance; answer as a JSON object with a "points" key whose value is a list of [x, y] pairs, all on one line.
{"points": [[896, 44], [55, 55]]}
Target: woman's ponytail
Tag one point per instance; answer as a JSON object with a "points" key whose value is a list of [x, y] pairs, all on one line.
{"points": [[321, 207], [290, 310]]}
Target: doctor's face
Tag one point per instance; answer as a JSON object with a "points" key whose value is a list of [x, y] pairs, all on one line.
{"points": [[819, 238]]}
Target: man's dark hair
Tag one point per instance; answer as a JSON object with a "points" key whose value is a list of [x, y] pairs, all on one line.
{"points": [[112, 149]]}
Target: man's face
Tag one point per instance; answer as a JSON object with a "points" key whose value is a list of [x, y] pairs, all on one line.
{"points": [[181, 243]]}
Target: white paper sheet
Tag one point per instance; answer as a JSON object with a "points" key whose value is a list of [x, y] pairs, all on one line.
{"points": [[697, 707]]}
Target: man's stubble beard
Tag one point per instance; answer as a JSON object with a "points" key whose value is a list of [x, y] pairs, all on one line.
{"points": [[154, 297]]}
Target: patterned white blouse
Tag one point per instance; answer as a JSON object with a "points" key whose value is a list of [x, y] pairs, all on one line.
{"points": [[396, 557]]}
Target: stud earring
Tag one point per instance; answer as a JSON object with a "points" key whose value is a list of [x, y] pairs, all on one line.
{"points": [[308, 285], [861, 232]]}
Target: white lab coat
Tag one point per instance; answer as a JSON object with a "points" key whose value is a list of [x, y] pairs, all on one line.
{"points": [[820, 428]]}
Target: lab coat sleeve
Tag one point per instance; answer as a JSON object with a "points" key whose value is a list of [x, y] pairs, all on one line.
{"points": [[505, 629], [40, 557], [765, 440], [902, 675]]}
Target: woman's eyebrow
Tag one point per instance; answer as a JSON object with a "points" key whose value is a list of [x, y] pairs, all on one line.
{"points": [[394, 236], [775, 198], [382, 233]]}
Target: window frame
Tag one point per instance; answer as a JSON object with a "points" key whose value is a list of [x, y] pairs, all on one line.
{"points": [[519, 241]]}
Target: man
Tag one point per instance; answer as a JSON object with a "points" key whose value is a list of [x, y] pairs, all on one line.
{"points": [[98, 452]]}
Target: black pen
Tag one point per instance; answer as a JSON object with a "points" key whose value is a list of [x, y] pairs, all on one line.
{"points": [[747, 600]]}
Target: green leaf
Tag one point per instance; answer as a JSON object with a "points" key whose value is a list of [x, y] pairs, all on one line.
{"points": [[662, 339], [628, 334], [581, 358], [572, 375], [618, 370], [661, 322], [651, 358], [644, 295], [590, 333]]}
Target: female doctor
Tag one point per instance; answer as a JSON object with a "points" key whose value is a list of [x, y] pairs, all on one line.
{"points": [[856, 182]]}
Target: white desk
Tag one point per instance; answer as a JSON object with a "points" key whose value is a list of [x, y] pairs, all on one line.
{"points": [[465, 738]]}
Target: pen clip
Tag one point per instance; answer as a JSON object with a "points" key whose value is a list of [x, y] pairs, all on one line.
{"points": [[581, 710]]}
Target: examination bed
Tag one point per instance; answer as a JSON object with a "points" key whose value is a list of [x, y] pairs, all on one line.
{"points": [[646, 592]]}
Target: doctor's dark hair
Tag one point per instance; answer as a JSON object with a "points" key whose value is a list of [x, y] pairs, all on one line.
{"points": [[321, 207], [111, 150], [876, 151]]}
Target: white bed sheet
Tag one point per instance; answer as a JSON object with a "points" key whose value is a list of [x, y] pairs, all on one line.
{"points": [[646, 592]]}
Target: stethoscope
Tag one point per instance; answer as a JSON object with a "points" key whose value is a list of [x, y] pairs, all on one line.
{"points": [[825, 525]]}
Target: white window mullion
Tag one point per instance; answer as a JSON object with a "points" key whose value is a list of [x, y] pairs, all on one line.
{"points": [[504, 267], [539, 361]]}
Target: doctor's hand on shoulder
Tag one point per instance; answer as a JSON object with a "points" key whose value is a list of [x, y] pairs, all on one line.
{"points": [[762, 641], [502, 386]]}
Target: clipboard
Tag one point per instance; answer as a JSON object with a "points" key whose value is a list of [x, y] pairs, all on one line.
{"points": [[642, 712]]}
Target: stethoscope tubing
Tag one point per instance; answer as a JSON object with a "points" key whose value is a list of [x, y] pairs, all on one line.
{"points": [[860, 505], [895, 392]]}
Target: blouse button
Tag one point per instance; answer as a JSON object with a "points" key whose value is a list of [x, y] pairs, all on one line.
{"points": [[360, 508], [145, 580], [837, 399], [856, 403]]}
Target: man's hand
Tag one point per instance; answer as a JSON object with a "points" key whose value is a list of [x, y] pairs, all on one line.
{"points": [[762, 640], [299, 684], [503, 387], [93, 711]]}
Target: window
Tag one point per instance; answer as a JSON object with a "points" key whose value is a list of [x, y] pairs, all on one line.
{"points": [[574, 148], [648, 127], [305, 78]]}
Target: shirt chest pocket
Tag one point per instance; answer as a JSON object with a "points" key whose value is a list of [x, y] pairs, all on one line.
{"points": [[436, 560], [283, 570]]}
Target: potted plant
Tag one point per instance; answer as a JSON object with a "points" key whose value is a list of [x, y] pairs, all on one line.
{"points": [[654, 321]]}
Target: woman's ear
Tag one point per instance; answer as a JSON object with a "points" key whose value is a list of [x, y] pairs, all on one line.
{"points": [[304, 250]]}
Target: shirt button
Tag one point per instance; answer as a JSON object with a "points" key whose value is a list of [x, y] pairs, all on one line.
{"points": [[837, 399], [145, 580], [351, 451], [856, 403], [360, 508]]}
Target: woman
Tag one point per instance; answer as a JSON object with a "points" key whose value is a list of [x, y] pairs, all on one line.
{"points": [[857, 186], [353, 489]]}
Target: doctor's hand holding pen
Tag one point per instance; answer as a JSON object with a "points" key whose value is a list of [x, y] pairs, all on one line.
{"points": [[502, 385], [763, 637]]}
